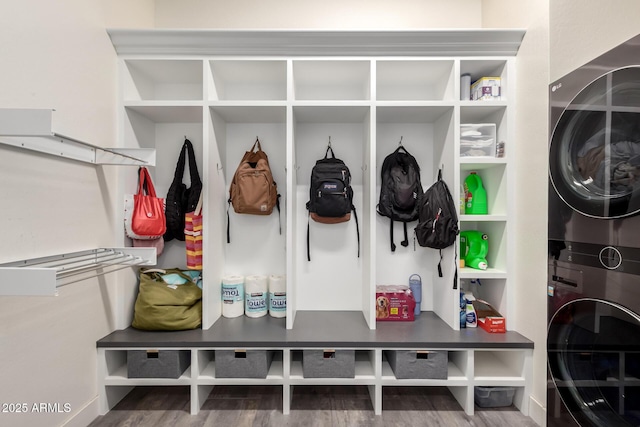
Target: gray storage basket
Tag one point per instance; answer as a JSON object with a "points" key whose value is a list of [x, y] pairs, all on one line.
{"points": [[329, 363], [243, 363], [422, 364], [493, 397], [157, 363]]}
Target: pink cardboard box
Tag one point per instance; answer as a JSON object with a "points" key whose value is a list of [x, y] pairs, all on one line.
{"points": [[394, 302]]}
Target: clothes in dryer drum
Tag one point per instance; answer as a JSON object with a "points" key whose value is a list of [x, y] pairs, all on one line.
{"points": [[594, 153]]}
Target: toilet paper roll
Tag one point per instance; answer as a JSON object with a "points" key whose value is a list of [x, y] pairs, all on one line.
{"points": [[256, 288], [232, 296], [277, 296]]}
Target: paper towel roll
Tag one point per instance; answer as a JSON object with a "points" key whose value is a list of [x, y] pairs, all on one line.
{"points": [[256, 288], [277, 296], [232, 296], [465, 87]]}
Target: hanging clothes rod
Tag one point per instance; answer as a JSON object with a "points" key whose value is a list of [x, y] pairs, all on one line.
{"points": [[64, 259], [42, 276], [118, 259], [112, 270]]}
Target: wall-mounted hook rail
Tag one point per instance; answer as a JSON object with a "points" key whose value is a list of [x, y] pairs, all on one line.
{"points": [[31, 129], [42, 276]]}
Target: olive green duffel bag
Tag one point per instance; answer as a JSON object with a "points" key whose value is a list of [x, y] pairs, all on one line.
{"points": [[168, 300]]}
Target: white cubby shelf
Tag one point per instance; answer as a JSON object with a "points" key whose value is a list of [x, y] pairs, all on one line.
{"points": [[295, 90]]}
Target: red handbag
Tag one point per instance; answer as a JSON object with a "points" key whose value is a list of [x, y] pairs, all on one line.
{"points": [[148, 218]]}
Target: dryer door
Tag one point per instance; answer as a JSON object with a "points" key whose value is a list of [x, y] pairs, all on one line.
{"points": [[594, 157], [593, 350]]}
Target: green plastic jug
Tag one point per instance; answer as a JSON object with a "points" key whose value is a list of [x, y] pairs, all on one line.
{"points": [[476, 195], [474, 247]]}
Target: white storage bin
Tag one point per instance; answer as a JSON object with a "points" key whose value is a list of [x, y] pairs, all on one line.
{"points": [[478, 140]]}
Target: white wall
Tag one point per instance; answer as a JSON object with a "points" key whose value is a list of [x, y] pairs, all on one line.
{"points": [[582, 30], [327, 14], [531, 156], [58, 55]]}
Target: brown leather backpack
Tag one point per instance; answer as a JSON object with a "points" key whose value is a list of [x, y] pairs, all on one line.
{"points": [[253, 190]]}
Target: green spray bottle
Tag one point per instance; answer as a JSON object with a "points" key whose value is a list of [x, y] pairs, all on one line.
{"points": [[475, 195]]}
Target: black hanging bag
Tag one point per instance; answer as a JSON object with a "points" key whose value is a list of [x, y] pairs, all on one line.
{"points": [[181, 199], [330, 194], [400, 191], [438, 221]]}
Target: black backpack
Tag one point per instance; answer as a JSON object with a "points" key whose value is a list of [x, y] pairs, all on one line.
{"points": [[438, 222], [400, 191], [181, 199], [330, 194]]}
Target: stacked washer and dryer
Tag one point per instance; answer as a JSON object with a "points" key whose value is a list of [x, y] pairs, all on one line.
{"points": [[593, 341]]}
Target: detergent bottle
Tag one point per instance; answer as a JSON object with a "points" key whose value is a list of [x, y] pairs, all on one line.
{"points": [[472, 319], [474, 246], [475, 195]]}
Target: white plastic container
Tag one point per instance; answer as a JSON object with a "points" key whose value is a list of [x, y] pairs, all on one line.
{"points": [[478, 140], [493, 397]]}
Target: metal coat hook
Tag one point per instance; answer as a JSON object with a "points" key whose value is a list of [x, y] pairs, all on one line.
{"points": [[329, 141], [400, 143]]}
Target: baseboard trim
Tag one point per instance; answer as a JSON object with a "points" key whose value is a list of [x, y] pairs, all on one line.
{"points": [[537, 412], [84, 416]]}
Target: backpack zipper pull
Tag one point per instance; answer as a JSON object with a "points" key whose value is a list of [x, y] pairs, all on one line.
{"points": [[433, 227]]}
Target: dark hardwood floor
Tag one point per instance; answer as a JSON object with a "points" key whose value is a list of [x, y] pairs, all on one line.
{"points": [[321, 406]]}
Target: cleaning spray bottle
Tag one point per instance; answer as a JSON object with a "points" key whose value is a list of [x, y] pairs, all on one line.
{"points": [[472, 319], [475, 195], [463, 310]]}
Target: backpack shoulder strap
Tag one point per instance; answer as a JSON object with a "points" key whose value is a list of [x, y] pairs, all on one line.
{"points": [[355, 215]]}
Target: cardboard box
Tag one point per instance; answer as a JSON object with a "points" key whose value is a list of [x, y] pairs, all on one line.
{"points": [[394, 302], [489, 318], [486, 88]]}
